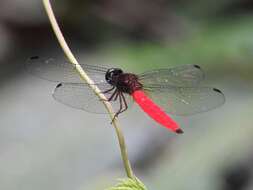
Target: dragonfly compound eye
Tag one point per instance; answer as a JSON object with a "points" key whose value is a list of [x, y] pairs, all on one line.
{"points": [[112, 74]]}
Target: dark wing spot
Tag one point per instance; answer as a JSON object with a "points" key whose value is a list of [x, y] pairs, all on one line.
{"points": [[59, 85], [217, 90], [197, 66], [34, 57]]}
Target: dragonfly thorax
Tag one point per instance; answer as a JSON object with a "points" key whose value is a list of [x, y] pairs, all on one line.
{"points": [[124, 82], [128, 83]]}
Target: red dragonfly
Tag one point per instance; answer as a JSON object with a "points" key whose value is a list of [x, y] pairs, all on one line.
{"points": [[158, 92]]}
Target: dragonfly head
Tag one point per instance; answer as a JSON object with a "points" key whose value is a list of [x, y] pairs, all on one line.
{"points": [[112, 74]]}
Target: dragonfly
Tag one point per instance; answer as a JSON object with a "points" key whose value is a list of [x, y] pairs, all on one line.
{"points": [[158, 92]]}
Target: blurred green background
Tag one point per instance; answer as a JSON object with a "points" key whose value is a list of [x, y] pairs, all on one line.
{"points": [[46, 145]]}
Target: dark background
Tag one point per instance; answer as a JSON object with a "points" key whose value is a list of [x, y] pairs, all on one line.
{"points": [[46, 145]]}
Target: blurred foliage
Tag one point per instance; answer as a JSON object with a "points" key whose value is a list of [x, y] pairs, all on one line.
{"points": [[226, 46], [129, 184]]}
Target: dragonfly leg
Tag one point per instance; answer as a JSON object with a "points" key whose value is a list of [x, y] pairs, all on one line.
{"points": [[112, 96], [122, 100], [119, 94], [116, 97], [106, 91], [125, 103]]}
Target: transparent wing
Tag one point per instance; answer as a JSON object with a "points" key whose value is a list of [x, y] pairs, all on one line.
{"points": [[186, 75], [186, 100], [80, 96], [62, 71]]}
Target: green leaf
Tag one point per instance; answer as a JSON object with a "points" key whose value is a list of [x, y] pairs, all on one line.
{"points": [[128, 184]]}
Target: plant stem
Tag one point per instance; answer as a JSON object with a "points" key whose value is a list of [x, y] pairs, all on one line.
{"points": [[89, 81]]}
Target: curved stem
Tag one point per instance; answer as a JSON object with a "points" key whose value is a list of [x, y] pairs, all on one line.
{"points": [[89, 81]]}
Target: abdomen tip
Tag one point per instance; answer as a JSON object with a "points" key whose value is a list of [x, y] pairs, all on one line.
{"points": [[179, 131]]}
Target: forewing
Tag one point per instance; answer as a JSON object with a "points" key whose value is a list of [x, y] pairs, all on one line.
{"points": [[80, 96], [186, 75], [186, 100], [62, 71]]}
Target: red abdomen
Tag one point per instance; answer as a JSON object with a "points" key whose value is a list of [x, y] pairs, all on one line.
{"points": [[155, 111]]}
